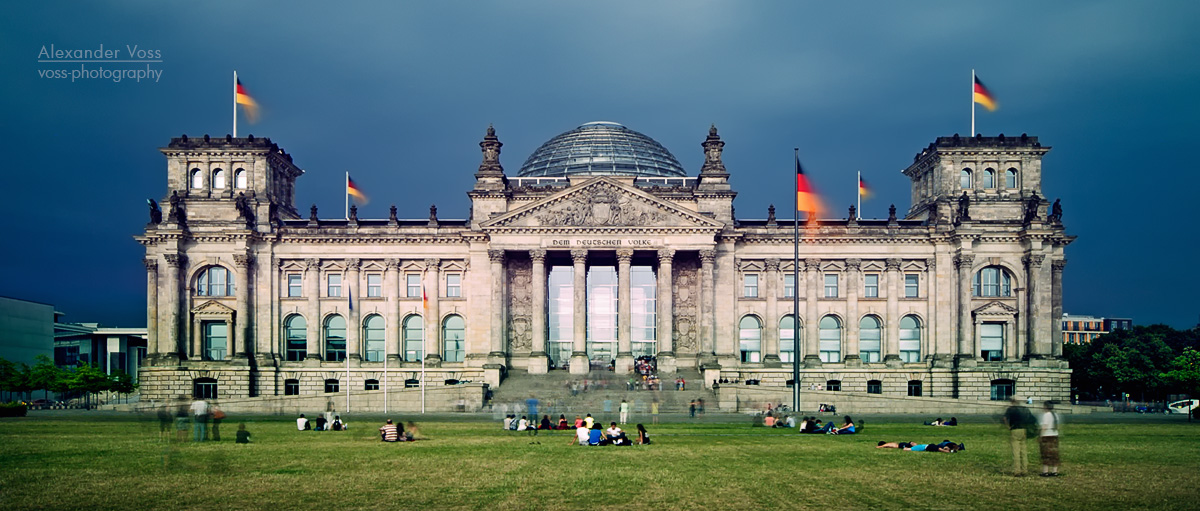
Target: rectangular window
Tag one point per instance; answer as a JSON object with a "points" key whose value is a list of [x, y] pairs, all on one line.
{"points": [[910, 285], [750, 285], [215, 338], [453, 285], [991, 341], [332, 386], [871, 286], [291, 388], [413, 286], [294, 285], [371, 385], [335, 285], [66, 355], [874, 387], [914, 388], [374, 285], [789, 285], [831, 286]]}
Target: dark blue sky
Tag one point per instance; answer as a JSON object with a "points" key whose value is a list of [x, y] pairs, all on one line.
{"points": [[400, 94]]}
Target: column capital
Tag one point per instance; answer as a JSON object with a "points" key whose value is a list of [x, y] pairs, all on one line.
{"points": [[624, 256], [707, 256], [312, 263], [853, 264], [964, 260], [1058, 264], [538, 255], [392, 264], [579, 255], [433, 263], [243, 260], [892, 263], [151, 264], [1033, 261], [353, 263], [175, 260], [496, 255], [812, 264], [772, 264], [666, 255], [930, 264]]}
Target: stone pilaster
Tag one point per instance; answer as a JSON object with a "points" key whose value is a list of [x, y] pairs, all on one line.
{"points": [[966, 351], [853, 282], [353, 324], [432, 312], [172, 350], [391, 291], [624, 358], [152, 340], [312, 290], [579, 359], [497, 348], [1035, 294], [812, 357], [771, 314], [242, 345], [891, 332], [539, 360], [1056, 292], [666, 310], [708, 329]]}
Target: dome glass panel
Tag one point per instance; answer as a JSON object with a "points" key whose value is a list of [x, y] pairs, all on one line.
{"points": [[601, 149]]}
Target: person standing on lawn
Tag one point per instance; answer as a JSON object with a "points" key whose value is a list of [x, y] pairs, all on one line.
{"points": [[1017, 418], [624, 411], [1048, 441]]}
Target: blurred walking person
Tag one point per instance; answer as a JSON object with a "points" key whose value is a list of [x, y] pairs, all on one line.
{"points": [[1048, 441], [1017, 418]]}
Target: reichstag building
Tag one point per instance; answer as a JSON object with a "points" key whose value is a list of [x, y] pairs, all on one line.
{"points": [[602, 249]]}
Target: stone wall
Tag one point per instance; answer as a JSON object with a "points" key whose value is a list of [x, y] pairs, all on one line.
{"points": [[750, 399], [467, 397]]}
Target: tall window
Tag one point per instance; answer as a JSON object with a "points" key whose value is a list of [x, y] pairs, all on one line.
{"points": [[374, 285], [291, 387], [335, 285], [910, 339], [964, 179], [1003, 390], [750, 335], [216, 338], [453, 285], [413, 281], [335, 338], [871, 285], [643, 310], [332, 386], [874, 387], [373, 338], [414, 338], [787, 339], [601, 312], [197, 179], [870, 337], [295, 331], [1010, 178], [454, 335], [831, 285], [830, 339], [750, 285], [991, 341], [789, 285], [911, 280], [992, 281], [560, 313], [915, 388], [204, 388], [294, 285], [239, 178], [989, 178], [218, 180], [214, 281]]}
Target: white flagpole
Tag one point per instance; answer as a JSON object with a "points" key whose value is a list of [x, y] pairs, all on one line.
{"points": [[346, 353], [347, 190], [385, 377], [422, 385], [858, 192], [972, 133], [234, 103]]}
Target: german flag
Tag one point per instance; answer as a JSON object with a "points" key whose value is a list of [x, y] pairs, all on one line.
{"points": [[863, 191], [353, 191], [983, 96], [248, 104], [806, 198]]}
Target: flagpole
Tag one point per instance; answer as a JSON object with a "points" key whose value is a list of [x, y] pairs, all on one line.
{"points": [[972, 133], [347, 190], [858, 192], [385, 377], [234, 103], [796, 299]]}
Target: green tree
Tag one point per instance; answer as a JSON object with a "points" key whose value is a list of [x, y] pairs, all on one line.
{"points": [[8, 371], [89, 379], [122, 382], [1185, 372], [45, 376]]}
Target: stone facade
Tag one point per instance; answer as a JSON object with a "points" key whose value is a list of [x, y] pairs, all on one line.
{"points": [[962, 293]]}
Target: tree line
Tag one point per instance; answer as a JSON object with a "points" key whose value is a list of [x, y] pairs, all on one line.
{"points": [[20, 381], [1150, 363]]}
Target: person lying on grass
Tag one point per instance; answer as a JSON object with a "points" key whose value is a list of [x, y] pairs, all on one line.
{"points": [[945, 446]]}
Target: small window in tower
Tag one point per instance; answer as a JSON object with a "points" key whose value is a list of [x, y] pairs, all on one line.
{"points": [[218, 179], [239, 178], [197, 179]]}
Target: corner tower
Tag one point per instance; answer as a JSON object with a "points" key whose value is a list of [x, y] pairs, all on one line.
{"points": [[998, 175]]}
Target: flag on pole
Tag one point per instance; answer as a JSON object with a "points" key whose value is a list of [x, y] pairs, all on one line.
{"points": [[806, 198], [424, 298], [353, 191], [983, 96], [248, 104], [863, 191]]}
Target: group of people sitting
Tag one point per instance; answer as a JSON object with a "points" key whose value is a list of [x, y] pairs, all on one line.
{"points": [[321, 423], [944, 446], [395, 432], [512, 423], [813, 425], [593, 435], [785, 421], [939, 422]]}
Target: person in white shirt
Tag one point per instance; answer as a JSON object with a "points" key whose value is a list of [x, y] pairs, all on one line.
{"points": [[523, 425], [301, 423], [581, 436], [200, 419], [1048, 440], [615, 435]]}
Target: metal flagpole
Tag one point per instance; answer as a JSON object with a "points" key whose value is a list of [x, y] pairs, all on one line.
{"points": [[234, 103], [858, 192], [796, 299], [972, 133], [422, 385], [347, 195], [385, 377], [345, 353]]}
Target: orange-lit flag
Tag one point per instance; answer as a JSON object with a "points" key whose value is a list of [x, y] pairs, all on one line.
{"points": [[353, 191], [863, 191], [983, 96], [248, 104], [806, 198], [424, 298]]}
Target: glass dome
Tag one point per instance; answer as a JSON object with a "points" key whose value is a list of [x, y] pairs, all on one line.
{"points": [[601, 149]]}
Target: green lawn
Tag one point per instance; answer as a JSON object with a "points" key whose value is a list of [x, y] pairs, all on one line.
{"points": [[73, 461]]}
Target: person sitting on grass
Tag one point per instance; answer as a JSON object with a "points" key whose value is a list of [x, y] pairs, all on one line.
{"points": [[812, 426], [389, 433], [596, 435], [320, 423], [243, 436], [615, 435], [545, 423], [847, 429], [562, 422], [337, 425], [302, 423], [643, 436], [769, 420], [581, 435]]}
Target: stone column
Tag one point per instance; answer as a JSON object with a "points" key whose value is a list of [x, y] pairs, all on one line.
{"points": [[891, 332], [708, 337], [431, 312], [152, 340], [1056, 293], [242, 346], [1035, 305], [579, 359], [666, 310], [624, 358], [539, 360], [851, 356], [770, 346], [172, 348], [391, 290], [498, 346], [353, 325], [812, 357], [966, 340], [312, 289]]}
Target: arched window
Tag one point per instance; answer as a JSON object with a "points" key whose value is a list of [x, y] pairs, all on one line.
{"points": [[1003, 390], [453, 335], [870, 338], [414, 338], [830, 339], [291, 387], [989, 178], [373, 338], [750, 338], [239, 178], [218, 179], [874, 387], [332, 386], [910, 339], [964, 179], [915, 388], [214, 281], [992, 281], [335, 338], [197, 179], [204, 388], [295, 333], [371, 385], [787, 338], [1010, 178]]}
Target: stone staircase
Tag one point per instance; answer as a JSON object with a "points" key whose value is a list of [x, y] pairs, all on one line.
{"points": [[604, 391]]}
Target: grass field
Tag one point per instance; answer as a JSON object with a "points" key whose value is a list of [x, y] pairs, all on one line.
{"points": [[77, 461]]}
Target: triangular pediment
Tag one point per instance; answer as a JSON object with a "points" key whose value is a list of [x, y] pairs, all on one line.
{"points": [[601, 203], [995, 309], [212, 307]]}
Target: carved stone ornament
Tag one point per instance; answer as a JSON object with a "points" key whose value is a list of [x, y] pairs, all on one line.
{"points": [[712, 152], [433, 263], [812, 264], [771, 264], [624, 256], [666, 255], [853, 264], [496, 255], [579, 255], [892, 263], [964, 260], [1058, 265], [1034, 260], [242, 260], [151, 265], [930, 264], [491, 152], [520, 306], [353, 264], [392, 264], [685, 277], [312, 264], [708, 256], [601, 205], [538, 255], [175, 260]]}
